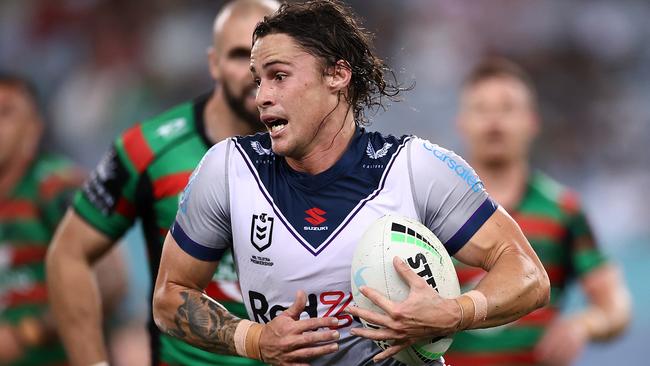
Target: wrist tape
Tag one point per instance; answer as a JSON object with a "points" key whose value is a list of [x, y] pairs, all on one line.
{"points": [[473, 309], [247, 339]]}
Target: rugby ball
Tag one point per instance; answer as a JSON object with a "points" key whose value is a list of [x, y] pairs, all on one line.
{"points": [[372, 266]]}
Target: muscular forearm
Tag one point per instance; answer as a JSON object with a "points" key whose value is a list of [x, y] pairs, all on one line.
{"points": [[192, 316], [599, 324], [609, 312], [514, 286], [516, 282], [76, 305]]}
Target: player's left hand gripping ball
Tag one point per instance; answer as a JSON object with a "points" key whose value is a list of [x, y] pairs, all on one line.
{"points": [[423, 315]]}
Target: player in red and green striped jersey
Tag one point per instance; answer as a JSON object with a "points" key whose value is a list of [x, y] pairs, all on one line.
{"points": [[34, 191], [141, 177], [498, 121]]}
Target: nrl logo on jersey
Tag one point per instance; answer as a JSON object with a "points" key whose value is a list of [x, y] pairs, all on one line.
{"points": [[377, 154], [261, 231]]}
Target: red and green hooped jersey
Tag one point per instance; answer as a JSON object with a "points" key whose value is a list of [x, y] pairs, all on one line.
{"points": [[141, 177], [28, 218], [552, 220]]}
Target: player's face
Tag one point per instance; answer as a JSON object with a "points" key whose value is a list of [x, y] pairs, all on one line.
{"points": [[497, 120], [17, 121], [292, 96], [231, 65]]}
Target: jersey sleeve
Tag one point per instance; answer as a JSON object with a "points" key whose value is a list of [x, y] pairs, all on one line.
{"points": [[449, 196], [585, 254], [202, 227], [107, 198]]}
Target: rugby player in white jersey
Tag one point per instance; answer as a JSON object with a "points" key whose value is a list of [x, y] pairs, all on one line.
{"points": [[293, 203]]}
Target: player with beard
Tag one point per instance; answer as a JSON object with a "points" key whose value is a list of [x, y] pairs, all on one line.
{"points": [[237, 102], [140, 177], [293, 202], [498, 120]]}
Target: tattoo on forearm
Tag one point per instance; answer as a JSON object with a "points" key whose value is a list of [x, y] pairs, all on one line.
{"points": [[203, 322]]}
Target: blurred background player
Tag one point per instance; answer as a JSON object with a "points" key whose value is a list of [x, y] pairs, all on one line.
{"points": [[35, 189], [499, 120], [141, 176]]}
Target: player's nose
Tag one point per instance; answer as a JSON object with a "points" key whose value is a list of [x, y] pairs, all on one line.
{"points": [[265, 96]]}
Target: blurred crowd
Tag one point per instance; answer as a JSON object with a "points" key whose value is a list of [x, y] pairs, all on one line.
{"points": [[589, 61], [102, 65]]}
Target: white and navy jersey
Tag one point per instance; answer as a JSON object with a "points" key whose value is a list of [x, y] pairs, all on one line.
{"points": [[292, 231]]}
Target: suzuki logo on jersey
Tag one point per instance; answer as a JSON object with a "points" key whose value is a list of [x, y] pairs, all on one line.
{"points": [[261, 231], [316, 219], [376, 154]]}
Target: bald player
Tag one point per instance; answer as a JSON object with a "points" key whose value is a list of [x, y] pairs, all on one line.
{"points": [[141, 177]]}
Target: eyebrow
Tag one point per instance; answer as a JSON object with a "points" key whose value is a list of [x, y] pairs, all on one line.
{"points": [[271, 63], [239, 52]]}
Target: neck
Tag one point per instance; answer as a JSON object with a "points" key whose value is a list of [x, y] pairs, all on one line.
{"points": [[221, 122], [506, 183], [329, 145]]}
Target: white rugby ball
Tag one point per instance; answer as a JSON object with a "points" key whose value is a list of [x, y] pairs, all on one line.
{"points": [[372, 266]]}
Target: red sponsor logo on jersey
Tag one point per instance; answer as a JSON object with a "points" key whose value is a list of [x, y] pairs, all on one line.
{"points": [[330, 303], [315, 217]]}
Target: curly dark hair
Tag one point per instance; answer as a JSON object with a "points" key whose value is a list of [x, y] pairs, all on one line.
{"points": [[330, 31]]}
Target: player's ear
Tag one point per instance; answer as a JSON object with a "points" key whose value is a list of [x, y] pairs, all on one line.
{"points": [[338, 77], [213, 63]]}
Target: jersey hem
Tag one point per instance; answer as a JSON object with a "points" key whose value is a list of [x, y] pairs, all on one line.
{"points": [[92, 224]]}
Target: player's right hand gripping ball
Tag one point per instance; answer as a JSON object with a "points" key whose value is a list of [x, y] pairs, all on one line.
{"points": [[372, 266]]}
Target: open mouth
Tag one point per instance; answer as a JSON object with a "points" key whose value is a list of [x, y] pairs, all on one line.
{"points": [[275, 124]]}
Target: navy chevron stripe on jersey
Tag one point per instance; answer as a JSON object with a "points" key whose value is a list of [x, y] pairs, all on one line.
{"points": [[315, 208]]}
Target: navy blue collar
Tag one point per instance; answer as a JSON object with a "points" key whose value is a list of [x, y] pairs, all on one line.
{"points": [[349, 160], [327, 199]]}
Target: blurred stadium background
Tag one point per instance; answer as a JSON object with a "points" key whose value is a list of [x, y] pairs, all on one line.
{"points": [[102, 65]]}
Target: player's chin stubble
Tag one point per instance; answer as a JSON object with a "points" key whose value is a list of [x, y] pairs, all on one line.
{"points": [[237, 104]]}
